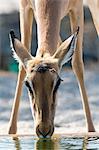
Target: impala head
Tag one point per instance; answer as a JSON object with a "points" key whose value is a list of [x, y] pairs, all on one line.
{"points": [[43, 80]]}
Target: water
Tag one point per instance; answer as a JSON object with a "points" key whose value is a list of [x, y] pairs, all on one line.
{"points": [[56, 143]]}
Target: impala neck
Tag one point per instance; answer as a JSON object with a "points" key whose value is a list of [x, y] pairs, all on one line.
{"points": [[48, 25]]}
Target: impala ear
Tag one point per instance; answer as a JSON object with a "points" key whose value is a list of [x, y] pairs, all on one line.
{"points": [[65, 51], [20, 52]]}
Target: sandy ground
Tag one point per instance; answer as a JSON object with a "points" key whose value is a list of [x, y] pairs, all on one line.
{"points": [[69, 113]]}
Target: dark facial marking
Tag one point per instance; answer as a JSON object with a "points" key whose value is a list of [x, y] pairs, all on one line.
{"points": [[41, 68], [29, 87]]}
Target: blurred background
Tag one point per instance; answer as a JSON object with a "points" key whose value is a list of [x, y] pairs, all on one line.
{"points": [[9, 19], [69, 99]]}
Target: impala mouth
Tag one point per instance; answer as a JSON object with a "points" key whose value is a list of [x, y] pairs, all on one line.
{"points": [[42, 134]]}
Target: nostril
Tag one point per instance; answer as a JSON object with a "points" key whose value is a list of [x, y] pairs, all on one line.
{"points": [[44, 132]]}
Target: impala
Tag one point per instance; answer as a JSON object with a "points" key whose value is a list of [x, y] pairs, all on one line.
{"points": [[42, 72]]}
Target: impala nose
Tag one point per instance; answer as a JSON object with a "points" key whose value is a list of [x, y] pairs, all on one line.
{"points": [[44, 131]]}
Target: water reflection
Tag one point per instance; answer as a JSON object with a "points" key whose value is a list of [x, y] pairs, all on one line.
{"points": [[36, 144], [58, 143], [85, 142], [47, 144], [17, 143]]}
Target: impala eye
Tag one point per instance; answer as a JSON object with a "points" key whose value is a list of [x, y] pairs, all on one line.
{"points": [[29, 86], [58, 82]]}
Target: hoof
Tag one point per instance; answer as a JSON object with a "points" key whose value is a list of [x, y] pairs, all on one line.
{"points": [[91, 129], [12, 130]]}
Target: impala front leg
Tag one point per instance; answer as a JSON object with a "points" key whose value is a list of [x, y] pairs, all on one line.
{"points": [[76, 18], [26, 19]]}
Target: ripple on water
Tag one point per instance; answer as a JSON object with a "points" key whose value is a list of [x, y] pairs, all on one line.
{"points": [[56, 143]]}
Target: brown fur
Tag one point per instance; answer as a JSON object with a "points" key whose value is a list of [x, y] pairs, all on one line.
{"points": [[48, 15]]}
